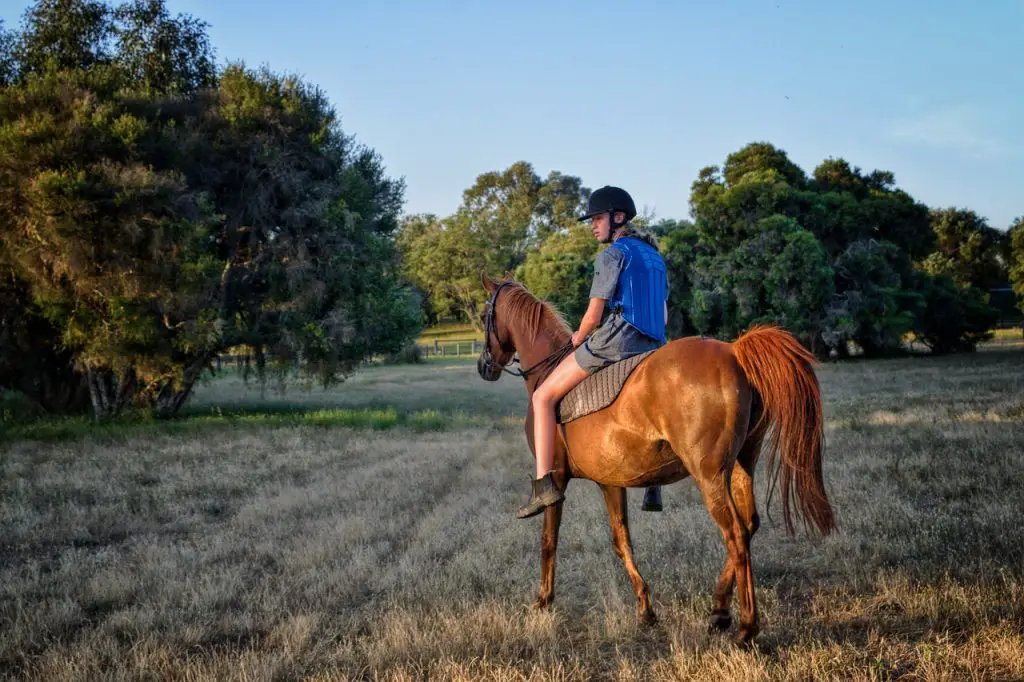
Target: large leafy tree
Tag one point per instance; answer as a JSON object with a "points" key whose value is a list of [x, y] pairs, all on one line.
{"points": [[505, 215], [154, 221], [873, 305], [759, 157], [441, 256], [150, 49], [780, 275], [515, 210], [966, 249], [32, 359], [161, 53], [844, 270], [64, 35], [562, 269], [845, 205], [89, 224], [728, 212], [954, 318], [680, 246], [1015, 259]]}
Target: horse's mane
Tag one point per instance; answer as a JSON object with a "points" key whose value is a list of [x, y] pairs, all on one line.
{"points": [[534, 314]]}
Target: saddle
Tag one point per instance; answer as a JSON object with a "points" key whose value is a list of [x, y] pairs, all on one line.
{"points": [[597, 391]]}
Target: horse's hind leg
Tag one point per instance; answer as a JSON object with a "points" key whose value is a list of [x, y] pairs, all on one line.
{"points": [[721, 619], [719, 501], [742, 488], [615, 500]]}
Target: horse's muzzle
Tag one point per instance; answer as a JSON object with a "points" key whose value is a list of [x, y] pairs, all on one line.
{"points": [[487, 368]]}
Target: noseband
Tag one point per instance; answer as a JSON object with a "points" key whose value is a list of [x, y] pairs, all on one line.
{"points": [[489, 363]]}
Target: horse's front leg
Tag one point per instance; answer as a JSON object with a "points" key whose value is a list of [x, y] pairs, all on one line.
{"points": [[548, 549], [615, 499]]}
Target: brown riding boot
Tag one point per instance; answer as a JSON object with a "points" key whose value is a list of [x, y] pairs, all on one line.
{"points": [[652, 499], [545, 494]]}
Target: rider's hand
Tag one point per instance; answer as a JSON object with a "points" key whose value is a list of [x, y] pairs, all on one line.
{"points": [[577, 339]]}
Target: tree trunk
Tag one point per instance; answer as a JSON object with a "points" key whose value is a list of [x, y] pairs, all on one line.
{"points": [[172, 397], [100, 393], [108, 394], [819, 347]]}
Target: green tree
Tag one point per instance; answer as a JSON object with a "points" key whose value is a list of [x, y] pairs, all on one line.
{"points": [[157, 52], [501, 206], [562, 270], [1015, 239], [872, 306], [759, 157], [82, 215], [738, 214], [8, 60], [444, 257], [32, 358], [845, 205], [517, 210], [63, 35], [561, 199], [679, 244], [781, 275], [504, 216], [158, 224], [800, 284], [954, 318], [966, 249], [728, 213], [74, 37]]}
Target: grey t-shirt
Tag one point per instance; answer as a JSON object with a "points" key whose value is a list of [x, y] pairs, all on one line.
{"points": [[607, 267]]}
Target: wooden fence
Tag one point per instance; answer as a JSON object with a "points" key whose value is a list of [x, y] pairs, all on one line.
{"points": [[452, 348], [436, 348]]}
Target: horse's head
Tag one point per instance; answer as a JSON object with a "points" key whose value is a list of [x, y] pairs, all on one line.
{"points": [[498, 347]]}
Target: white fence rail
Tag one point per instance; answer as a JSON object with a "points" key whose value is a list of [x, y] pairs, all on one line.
{"points": [[451, 348]]}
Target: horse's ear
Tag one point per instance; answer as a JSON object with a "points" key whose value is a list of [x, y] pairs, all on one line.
{"points": [[489, 284], [509, 275]]}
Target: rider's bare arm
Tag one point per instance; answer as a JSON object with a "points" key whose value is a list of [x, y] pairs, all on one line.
{"points": [[590, 320]]}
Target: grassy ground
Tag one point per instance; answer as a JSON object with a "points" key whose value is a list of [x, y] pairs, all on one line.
{"points": [[367, 532]]}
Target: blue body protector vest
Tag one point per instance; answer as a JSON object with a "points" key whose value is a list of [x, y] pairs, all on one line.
{"points": [[642, 288]]}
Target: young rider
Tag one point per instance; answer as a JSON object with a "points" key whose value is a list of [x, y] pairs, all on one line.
{"points": [[630, 277]]}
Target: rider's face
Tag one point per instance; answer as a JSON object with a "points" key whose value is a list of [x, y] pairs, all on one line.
{"points": [[601, 226]]}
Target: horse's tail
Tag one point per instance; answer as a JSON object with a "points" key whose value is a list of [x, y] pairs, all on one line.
{"points": [[782, 372]]}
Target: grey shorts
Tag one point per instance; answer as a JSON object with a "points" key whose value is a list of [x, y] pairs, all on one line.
{"points": [[613, 341]]}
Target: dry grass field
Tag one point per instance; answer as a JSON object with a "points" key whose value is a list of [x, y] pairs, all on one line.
{"points": [[368, 532]]}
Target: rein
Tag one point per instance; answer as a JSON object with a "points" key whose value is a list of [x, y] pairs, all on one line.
{"points": [[552, 358]]}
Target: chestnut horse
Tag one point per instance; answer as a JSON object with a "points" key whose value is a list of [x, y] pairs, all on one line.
{"points": [[695, 407]]}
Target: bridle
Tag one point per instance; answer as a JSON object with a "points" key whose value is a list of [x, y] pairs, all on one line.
{"points": [[488, 361]]}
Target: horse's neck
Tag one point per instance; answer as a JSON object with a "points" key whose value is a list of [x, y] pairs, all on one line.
{"points": [[536, 340]]}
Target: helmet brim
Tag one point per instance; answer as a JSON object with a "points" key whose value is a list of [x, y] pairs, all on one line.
{"points": [[587, 216]]}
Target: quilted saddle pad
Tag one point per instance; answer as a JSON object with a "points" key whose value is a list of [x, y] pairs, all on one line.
{"points": [[597, 391]]}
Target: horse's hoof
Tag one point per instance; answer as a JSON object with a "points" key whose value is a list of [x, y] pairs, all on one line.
{"points": [[720, 621], [745, 636], [646, 618], [540, 604]]}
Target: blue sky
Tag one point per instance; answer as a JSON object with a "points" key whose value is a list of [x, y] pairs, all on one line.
{"points": [[643, 95]]}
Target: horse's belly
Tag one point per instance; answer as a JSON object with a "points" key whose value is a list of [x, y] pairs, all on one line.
{"points": [[627, 465]]}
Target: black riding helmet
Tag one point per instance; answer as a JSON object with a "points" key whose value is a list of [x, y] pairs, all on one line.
{"points": [[609, 199]]}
